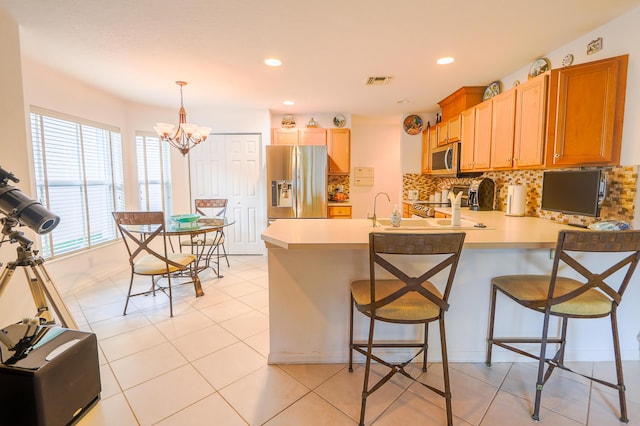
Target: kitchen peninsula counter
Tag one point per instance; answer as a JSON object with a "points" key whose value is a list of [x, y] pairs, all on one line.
{"points": [[312, 261], [501, 232]]}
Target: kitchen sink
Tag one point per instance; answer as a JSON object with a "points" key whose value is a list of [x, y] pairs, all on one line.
{"points": [[422, 224]]}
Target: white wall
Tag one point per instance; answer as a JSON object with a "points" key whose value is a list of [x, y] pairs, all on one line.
{"points": [[15, 300], [375, 143]]}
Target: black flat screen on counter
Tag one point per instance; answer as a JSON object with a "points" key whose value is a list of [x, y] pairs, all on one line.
{"points": [[573, 192]]}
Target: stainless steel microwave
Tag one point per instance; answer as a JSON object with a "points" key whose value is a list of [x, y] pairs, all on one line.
{"points": [[445, 161]]}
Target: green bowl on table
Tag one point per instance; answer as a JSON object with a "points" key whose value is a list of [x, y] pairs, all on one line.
{"points": [[185, 220]]}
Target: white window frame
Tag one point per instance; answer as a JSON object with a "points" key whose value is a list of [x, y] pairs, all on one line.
{"points": [[79, 176], [153, 164]]}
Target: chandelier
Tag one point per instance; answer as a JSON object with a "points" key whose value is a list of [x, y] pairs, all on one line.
{"points": [[187, 135]]}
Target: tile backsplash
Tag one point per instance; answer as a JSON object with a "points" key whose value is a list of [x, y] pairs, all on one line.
{"points": [[618, 204]]}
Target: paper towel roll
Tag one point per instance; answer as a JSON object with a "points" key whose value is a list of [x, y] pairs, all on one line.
{"points": [[516, 200]]}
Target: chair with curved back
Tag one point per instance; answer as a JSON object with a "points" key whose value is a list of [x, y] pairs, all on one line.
{"points": [[150, 257], [405, 299], [208, 245], [589, 295]]}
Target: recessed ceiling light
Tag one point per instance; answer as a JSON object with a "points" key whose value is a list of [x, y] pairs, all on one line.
{"points": [[288, 103], [273, 62], [445, 60]]}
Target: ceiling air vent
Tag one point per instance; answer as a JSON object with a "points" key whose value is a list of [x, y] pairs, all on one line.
{"points": [[378, 81]]}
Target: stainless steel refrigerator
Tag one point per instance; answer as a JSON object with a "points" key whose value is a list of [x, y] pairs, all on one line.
{"points": [[297, 181]]}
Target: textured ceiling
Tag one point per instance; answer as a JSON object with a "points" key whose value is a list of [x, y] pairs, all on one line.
{"points": [[138, 49]]}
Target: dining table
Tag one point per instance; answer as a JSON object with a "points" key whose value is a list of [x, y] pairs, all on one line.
{"points": [[196, 229]]}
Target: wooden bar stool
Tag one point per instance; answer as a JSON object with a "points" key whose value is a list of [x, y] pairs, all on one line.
{"points": [[563, 297], [405, 299]]}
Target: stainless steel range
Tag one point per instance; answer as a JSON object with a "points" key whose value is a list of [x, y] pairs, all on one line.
{"points": [[425, 209], [428, 208]]}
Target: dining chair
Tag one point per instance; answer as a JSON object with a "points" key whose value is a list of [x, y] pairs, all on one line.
{"points": [[405, 299], [148, 254], [208, 245], [576, 288]]}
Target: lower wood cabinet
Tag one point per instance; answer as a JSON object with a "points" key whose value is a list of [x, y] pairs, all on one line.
{"points": [[406, 209], [339, 212]]}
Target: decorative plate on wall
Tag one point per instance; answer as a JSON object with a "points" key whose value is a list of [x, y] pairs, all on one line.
{"points": [[339, 120], [492, 90], [413, 124], [288, 121], [539, 66]]}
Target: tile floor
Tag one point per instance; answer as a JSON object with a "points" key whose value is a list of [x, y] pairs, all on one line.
{"points": [[208, 366]]}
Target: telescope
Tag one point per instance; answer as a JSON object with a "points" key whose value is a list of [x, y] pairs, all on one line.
{"points": [[16, 208], [16, 205]]}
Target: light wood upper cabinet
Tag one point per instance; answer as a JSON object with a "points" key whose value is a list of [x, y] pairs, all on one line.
{"points": [[454, 129], [468, 139], [310, 136], [313, 136], [586, 106], [502, 129], [433, 137], [426, 152], [482, 135], [442, 133], [531, 121], [449, 131], [284, 136], [339, 151], [476, 138]]}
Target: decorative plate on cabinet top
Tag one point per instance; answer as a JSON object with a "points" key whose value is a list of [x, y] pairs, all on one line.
{"points": [[413, 124], [339, 120], [492, 89], [539, 66], [567, 60], [288, 121]]}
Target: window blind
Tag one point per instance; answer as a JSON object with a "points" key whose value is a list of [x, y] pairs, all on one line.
{"points": [[154, 173], [79, 177]]}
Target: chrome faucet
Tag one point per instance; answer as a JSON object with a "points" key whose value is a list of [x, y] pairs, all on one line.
{"points": [[373, 218]]}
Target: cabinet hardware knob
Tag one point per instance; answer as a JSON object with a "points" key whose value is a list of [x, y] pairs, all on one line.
{"points": [[556, 155]]}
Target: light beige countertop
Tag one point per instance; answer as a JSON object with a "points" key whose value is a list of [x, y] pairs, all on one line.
{"points": [[502, 232]]}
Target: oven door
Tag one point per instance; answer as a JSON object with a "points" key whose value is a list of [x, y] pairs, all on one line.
{"points": [[445, 160]]}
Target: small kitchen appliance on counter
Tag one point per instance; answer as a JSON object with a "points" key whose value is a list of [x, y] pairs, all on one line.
{"points": [[516, 200], [465, 194], [481, 194]]}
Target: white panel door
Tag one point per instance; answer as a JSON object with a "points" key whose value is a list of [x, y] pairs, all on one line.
{"points": [[243, 175], [208, 169], [228, 166]]}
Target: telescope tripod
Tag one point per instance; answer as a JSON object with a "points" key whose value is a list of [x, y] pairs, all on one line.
{"points": [[42, 288]]}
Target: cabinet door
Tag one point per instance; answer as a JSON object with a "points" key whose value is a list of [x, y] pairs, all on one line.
{"points": [[531, 121], [454, 128], [467, 135], [443, 137], [502, 128], [284, 136], [426, 152], [312, 136], [588, 112], [482, 145], [339, 151], [433, 137]]}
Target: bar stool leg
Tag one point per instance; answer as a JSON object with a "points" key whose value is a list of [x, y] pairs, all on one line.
{"points": [[616, 351], [492, 316], [445, 372]]}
